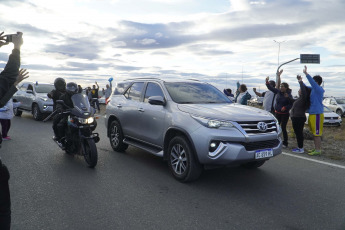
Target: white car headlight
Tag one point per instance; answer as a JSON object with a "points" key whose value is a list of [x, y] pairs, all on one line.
{"points": [[210, 123]]}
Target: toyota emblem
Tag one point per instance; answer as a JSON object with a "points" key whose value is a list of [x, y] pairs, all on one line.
{"points": [[262, 126]]}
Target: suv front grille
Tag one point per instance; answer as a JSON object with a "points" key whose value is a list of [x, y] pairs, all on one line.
{"points": [[251, 127], [260, 144]]}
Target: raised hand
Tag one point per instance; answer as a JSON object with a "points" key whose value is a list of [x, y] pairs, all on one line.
{"points": [[23, 74]]}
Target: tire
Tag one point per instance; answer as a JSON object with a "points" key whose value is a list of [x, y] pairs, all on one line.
{"points": [[339, 112], [17, 112], [116, 137], [254, 164], [90, 152], [38, 116], [181, 160]]}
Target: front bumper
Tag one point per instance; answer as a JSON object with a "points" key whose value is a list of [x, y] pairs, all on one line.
{"points": [[232, 147]]}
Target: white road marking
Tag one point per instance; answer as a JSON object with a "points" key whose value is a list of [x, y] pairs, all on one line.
{"points": [[317, 161]]}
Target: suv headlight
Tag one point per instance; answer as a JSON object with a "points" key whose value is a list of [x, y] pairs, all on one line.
{"points": [[43, 98], [211, 123], [86, 121]]}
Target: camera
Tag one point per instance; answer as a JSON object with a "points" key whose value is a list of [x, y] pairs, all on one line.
{"points": [[9, 37]]}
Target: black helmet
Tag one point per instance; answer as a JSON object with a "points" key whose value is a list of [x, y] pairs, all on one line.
{"points": [[60, 84], [71, 88]]}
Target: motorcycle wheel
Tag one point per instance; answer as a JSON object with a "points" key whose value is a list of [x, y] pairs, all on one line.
{"points": [[90, 152]]}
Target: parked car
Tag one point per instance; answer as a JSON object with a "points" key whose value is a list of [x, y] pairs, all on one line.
{"points": [[190, 124], [335, 104], [330, 118], [33, 98], [256, 101]]}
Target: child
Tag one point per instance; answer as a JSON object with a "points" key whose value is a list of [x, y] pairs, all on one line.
{"points": [[6, 114]]}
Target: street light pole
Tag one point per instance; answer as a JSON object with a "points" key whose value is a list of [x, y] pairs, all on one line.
{"points": [[278, 48]]}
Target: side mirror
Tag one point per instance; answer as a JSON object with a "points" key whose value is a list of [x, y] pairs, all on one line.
{"points": [[29, 91], [157, 100]]}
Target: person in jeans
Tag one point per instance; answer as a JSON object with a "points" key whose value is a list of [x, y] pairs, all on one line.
{"points": [[94, 96], [6, 114], [316, 117], [297, 114], [282, 106]]}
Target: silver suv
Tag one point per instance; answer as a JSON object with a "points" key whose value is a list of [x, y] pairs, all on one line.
{"points": [[337, 105], [33, 98], [191, 124]]}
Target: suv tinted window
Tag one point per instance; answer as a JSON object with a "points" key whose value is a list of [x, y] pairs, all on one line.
{"points": [[153, 89], [120, 88], [134, 92], [195, 93]]}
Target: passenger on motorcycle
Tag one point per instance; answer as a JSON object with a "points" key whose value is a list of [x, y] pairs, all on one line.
{"points": [[55, 94]]}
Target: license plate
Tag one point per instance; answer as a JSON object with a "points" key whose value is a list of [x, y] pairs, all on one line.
{"points": [[265, 153], [331, 121]]}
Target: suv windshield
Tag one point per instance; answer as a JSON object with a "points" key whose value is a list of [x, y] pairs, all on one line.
{"points": [[340, 101], [44, 88], [195, 93]]}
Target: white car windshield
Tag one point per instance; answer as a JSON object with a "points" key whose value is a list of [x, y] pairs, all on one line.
{"points": [[44, 88]]}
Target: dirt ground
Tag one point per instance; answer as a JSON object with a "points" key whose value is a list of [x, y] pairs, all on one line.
{"points": [[333, 142]]}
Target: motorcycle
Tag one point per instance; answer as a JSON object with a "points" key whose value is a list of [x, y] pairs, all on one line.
{"points": [[79, 136]]}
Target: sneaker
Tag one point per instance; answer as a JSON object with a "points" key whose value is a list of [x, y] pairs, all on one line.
{"points": [[284, 146], [311, 150], [298, 150], [6, 138], [55, 138], [314, 153]]}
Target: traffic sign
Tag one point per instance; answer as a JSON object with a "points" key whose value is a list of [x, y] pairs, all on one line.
{"points": [[310, 58]]}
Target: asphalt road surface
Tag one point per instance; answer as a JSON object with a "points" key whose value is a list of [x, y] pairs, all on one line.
{"points": [[134, 190]]}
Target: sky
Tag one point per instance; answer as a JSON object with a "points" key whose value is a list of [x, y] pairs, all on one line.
{"points": [[216, 41]]}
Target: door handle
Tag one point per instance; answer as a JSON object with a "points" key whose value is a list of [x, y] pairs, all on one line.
{"points": [[141, 110], [119, 106]]}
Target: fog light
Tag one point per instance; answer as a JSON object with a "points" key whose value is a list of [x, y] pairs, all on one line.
{"points": [[213, 146]]}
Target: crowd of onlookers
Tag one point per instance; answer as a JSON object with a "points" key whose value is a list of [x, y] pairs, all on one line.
{"points": [[278, 100]]}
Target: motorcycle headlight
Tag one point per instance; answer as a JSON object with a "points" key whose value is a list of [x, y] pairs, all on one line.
{"points": [[86, 121], [215, 124], [90, 120]]}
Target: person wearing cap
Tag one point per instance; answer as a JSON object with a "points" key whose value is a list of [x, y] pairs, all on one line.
{"points": [[269, 97]]}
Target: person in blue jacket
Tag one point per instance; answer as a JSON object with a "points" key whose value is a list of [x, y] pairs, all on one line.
{"points": [[242, 95], [315, 120], [282, 106]]}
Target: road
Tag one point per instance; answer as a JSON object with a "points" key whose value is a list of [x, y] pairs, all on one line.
{"points": [[134, 190]]}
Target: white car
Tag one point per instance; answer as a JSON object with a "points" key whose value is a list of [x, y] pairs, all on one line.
{"points": [[330, 117]]}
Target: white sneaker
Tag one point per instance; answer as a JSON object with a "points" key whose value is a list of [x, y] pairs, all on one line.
{"points": [[298, 150]]}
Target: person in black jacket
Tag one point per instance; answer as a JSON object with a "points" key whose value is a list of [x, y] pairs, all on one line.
{"points": [[282, 106], [9, 78]]}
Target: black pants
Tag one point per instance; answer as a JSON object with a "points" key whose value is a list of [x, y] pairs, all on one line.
{"points": [[57, 118], [283, 120], [5, 201], [6, 125], [298, 125]]}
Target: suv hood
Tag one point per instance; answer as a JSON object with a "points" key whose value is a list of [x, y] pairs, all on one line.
{"points": [[230, 112]]}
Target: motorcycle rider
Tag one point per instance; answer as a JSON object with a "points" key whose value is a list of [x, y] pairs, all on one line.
{"points": [[55, 94], [71, 89]]}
